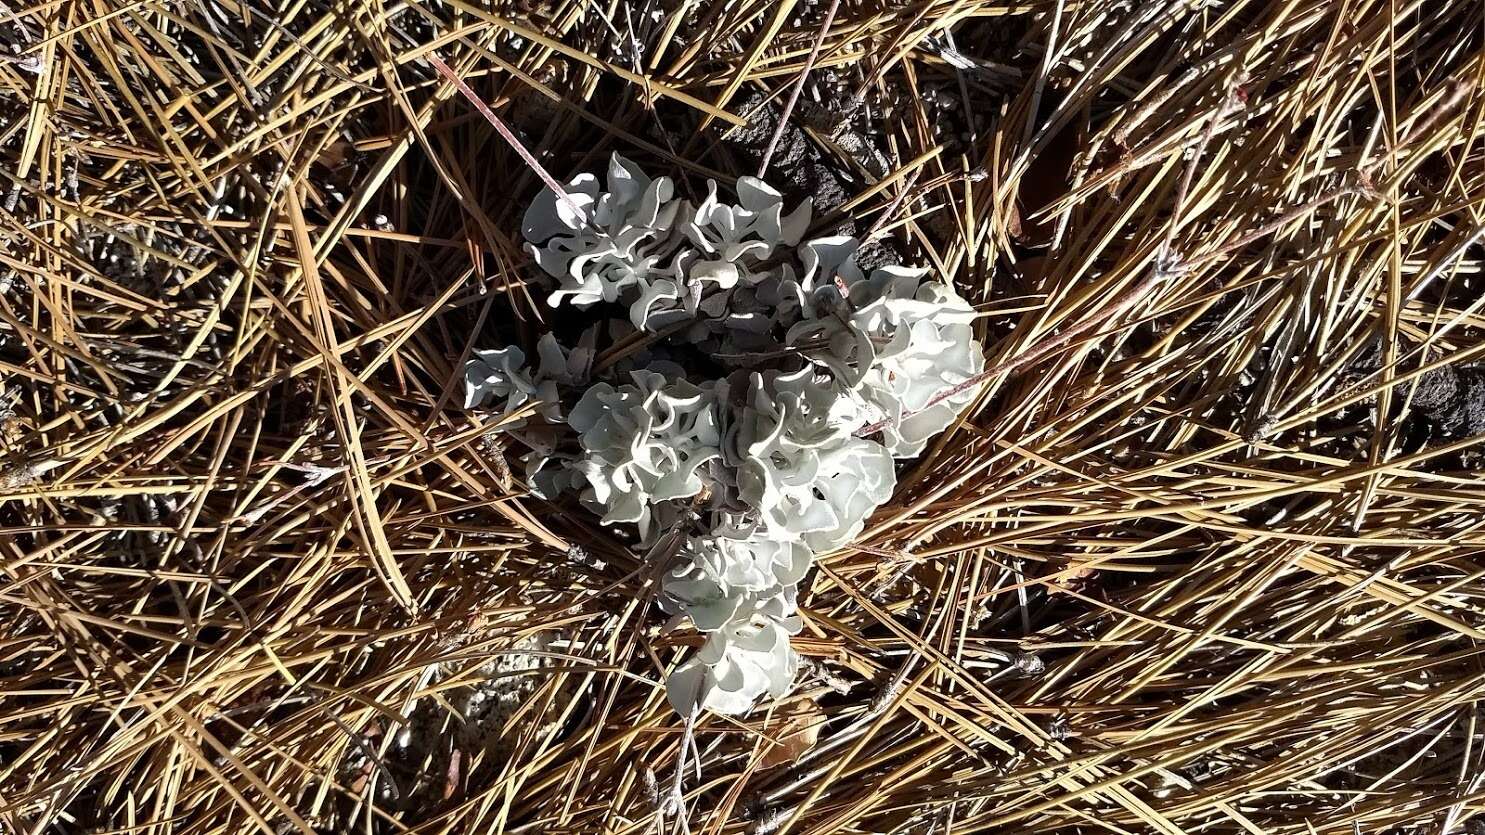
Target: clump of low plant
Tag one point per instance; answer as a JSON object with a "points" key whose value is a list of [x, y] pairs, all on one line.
{"points": [[759, 425]]}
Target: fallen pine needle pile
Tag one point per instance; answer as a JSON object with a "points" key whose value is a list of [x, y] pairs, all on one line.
{"points": [[1203, 554]]}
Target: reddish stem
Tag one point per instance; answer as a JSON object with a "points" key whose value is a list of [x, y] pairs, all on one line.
{"points": [[809, 63], [506, 134]]}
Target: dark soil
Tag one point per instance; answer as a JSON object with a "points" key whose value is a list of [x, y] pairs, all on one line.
{"points": [[1453, 399]]}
